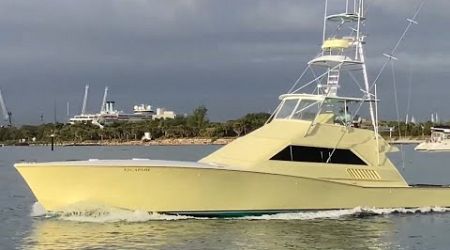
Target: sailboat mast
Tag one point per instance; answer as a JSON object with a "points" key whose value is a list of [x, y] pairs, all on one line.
{"points": [[3, 106], [86, 92], [68, 109], [105, 96]]}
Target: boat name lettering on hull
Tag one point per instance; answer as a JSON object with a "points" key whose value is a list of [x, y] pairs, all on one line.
{"points": [[136, 169]]}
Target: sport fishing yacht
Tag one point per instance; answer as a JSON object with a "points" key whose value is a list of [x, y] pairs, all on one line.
{"points": [[439, 140], [312, 154]]}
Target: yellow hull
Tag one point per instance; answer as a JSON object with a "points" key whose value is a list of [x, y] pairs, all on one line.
{"points": [[194, 190]]}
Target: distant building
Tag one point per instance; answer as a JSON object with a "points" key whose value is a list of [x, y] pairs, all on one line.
{"points": [[109, 115], [164, 114]]}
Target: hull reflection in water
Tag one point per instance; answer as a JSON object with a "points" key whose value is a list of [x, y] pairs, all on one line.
{"points": [[114, 228], [197, 233]]}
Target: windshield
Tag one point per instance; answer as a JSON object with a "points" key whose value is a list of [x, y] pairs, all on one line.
{"points": [[286, 109], [339, 112], [303, 109], [327, 110], [306, 110]]}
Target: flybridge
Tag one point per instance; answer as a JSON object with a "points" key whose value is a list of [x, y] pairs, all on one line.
{"points": [[341, 54], [341, 57], [342, 46]]}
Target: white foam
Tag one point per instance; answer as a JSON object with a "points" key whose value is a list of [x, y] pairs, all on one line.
{"points": [[330, 214], [103, 214], [38, 210], [117, 216], [355, 212], [100, 214]]}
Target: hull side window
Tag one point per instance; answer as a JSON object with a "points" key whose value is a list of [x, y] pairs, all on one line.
{"points": [[318, 155]]}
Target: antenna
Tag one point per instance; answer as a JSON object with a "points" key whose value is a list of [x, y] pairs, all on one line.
{"points": [[390, 56], [324, 33], [105, 95], [54, 112], [86, 92]]}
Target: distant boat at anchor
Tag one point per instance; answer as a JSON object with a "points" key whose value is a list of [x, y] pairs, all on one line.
{"points": [[439, 140]]}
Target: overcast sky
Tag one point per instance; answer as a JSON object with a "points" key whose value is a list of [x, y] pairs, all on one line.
{"points": [[233, 56]]}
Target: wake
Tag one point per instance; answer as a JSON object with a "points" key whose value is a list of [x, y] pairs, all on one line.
{"points": [[102, 214]]}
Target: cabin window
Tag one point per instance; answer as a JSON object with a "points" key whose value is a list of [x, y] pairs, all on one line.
{"points": [[318, 155], [287, 108]]}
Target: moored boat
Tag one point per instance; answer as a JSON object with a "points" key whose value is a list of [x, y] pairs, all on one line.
{"points": [[439, 140]]}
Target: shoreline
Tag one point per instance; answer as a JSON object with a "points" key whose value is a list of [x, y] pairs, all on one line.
{"points": [[169, 142], [157, 142], [406, 141], [174, 142]]}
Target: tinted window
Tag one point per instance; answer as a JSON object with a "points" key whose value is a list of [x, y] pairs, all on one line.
{"points": [[313, 154]]}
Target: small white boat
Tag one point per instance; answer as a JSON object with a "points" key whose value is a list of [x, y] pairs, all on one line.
{"points": [[439, 140]]}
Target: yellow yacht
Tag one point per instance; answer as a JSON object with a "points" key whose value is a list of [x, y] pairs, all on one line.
{"points": [[312, 154]]}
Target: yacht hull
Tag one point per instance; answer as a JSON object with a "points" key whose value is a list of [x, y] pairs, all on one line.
{"points": [[210, 191]]}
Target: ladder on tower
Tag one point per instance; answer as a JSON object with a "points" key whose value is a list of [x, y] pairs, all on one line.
{"points": [[332, 82]]}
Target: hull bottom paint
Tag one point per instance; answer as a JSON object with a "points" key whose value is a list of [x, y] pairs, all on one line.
{"points": [[211, 192]]}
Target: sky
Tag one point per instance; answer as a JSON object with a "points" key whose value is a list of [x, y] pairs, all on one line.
{"points": [[232, 56]]}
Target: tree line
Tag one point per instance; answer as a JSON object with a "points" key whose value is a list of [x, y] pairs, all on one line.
{"points": [[399, 130], [193, 125]]}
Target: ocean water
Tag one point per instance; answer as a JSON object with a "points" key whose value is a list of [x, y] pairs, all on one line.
{"points": [[25, 225]]}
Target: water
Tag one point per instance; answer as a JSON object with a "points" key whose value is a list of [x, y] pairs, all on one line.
{"points": [[24, 225]]}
